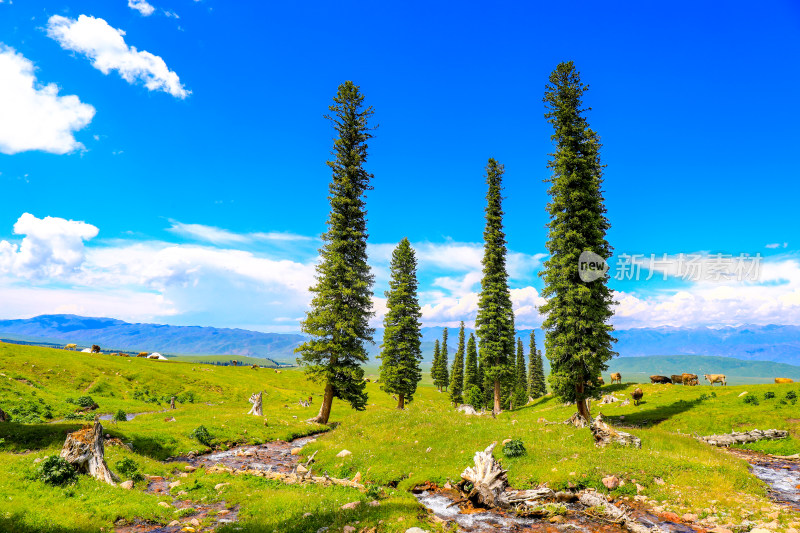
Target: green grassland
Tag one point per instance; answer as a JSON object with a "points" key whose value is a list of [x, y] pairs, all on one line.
{"points": [[394, 450]]}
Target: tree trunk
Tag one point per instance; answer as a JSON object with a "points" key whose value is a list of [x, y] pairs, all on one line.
{"points": [[256, 400], [401, 401], [84, 450], [496, 409], [580, 401], [325, 408]]}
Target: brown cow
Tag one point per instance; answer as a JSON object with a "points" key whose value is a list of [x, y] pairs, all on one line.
{"points": [[689, 379], [95, 348], [637, 395], [784, 380], [660, 379], [143, 354], [676, 378], [716, 378], [600, 380], [616, 377]]}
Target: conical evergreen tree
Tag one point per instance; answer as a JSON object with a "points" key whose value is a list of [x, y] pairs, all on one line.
{"points": [[522, 376], [338, 321], [471, 378], [536, 381], [495, 320], [442, 377], [400, 352], [577, 326], [457, 373], [435, 364]]}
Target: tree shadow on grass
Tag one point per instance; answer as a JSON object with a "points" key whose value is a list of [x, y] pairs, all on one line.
{"points": [[15, 523], [655, 416], [21, 437]]}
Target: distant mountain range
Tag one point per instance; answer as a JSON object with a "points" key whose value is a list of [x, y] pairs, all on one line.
{"points": [[780, 344]]}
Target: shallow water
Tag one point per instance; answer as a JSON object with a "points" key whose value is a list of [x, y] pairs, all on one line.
{"points": [[782, 475]]}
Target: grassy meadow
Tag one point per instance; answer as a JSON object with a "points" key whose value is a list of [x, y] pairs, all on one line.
{"points": [[393, 450]]}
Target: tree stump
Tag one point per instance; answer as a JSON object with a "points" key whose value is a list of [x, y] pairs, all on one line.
{"points": [[3, 416], [605, 435], [84, 450], [576, 420], [256, 399], [172, 403]]}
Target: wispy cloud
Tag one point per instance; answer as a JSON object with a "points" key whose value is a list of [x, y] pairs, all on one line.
{"points": [[777, 245], [34, 116], [106, 48], [214, 235], [142, 6]]}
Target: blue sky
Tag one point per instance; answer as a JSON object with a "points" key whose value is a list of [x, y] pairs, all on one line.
{"points": [[188, 184]]}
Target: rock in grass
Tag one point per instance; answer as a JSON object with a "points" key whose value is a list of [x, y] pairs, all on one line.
{"points": [[611, 482], [296, 451], [165, 505], [357, 478], [173, 523], [349, 529], [351, 505], [416, 530], [174, 484], [220, 486], [344, 453], [127, 484]]}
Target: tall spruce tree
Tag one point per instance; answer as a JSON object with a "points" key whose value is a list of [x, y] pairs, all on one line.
{"points": [[457, 373], [495, 320], [400, 352], [435, 364], [522, 376], [536, 382], [471, 377], [442, 377], [578, 335], [338, 321]]}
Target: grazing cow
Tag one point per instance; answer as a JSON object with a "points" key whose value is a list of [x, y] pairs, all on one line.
{"points": [[310, 399], [71, 347], [676, 378], [142, 354], [95, 348], [716, 378], [600, 381], [689, 379], [616, 377], [784, 380], [254, 367], [660, 379], [637, 395]]}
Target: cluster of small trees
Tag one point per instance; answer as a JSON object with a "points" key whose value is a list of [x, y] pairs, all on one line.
{"points": [[491, 371]]}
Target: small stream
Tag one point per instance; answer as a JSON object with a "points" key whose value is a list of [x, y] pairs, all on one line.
{"points": [[782, 475]]}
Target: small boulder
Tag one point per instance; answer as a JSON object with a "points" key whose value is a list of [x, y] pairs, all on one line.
{"points": [[689, 517], [671, 517], [506, 441], [374, 503], [416, 530], [351, 505], [296, 451], [344, 453], [195, 522], [349, 529], [302, 469], [174, 484], [173, 523], [220, 486], [165, 505], [611, 482], [128, 485], [357, 478], [658, 481]]}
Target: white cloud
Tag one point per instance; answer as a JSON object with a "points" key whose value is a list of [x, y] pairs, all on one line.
{"points": [[773, 245], [106, 47], [144, 8], [214, 235], [32, 115], [52, 247]]}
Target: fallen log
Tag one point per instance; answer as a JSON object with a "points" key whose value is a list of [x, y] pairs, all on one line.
{"points": [[737, 437], [605, 434], [614, 513], [84, 450]]}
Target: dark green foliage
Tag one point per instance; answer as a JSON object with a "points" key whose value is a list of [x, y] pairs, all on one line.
{"points": [[400, 352], [522, 377], [475, 397], [750, 398], [495, 319], [84, 401], [436, 362], [471, 377], [536, 383], [338, 320], [185, 397], [441, 374], [791, 395], [578, 334], [32, 411], [515, 448], [121, 416], [129, 468], [457, 374], [55, 470], [202, 435], [769, 395]]}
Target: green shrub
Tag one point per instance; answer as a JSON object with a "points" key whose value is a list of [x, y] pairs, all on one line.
{"points": [[56, 471], [202, 435], [474, 397], [769, 395], [129, 468], [515, 448], [121, 416], [751, 398], [86, 402], [185, 397], [791, 396]]}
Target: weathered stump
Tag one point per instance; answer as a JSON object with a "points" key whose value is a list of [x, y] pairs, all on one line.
{"points": [[172, 403], [605, 434], [3, 416], [84, 450], [576, 420], [490, 484], [256, 400]]}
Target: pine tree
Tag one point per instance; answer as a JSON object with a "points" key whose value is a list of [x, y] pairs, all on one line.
{"points": [[471, 378], [536, 382], [338, 321], [522, 377], [400, 352], [442, 377], [495, 320], [457, 374], [578, 336], [435, 364]]}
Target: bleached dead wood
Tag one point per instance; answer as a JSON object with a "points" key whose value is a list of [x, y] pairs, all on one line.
{"points": [[605, 434], [256, 400], [744, 437], [289, 479], [576, 420], [614, 513], [84, 450]]}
